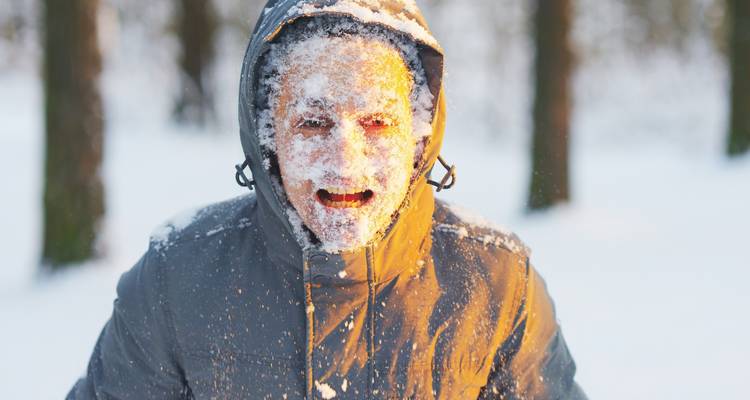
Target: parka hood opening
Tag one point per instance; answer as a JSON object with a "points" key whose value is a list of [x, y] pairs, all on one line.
{"points": [[396, 18]]}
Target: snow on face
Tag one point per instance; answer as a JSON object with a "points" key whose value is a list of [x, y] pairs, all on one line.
{"points": [[344, 136]]}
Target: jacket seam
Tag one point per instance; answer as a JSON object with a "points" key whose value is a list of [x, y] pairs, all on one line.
{"points": [[175, 347], [522, 292], [519, 304], [370, 320], [309, 330]]}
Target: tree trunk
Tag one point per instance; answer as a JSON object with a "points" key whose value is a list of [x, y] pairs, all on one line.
{"points": [[552, 104], [196, 22], [73, 190], [739, 126]]}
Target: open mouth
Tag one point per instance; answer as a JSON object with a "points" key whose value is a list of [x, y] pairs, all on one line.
{"points": [[344, 200]]}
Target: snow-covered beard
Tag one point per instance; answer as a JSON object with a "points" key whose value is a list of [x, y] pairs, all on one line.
{"points": [[380, 166], [316, 76]]}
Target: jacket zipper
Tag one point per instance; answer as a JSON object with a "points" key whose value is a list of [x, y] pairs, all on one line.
{"points": [[370, 321], [309, 319]]}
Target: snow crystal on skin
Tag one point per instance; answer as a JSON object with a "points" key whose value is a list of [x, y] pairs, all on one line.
{"points": [[363, 11], [326, 391], [305, 54]]}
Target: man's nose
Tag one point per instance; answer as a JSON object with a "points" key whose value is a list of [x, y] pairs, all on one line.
{"points": [[348, 144]]}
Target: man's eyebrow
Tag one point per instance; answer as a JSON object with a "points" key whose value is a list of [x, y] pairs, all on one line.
{"points": [[317, 103]]}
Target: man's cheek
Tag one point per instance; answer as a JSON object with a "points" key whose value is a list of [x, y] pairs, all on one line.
{"points": [[305, 165], [393, 161]]}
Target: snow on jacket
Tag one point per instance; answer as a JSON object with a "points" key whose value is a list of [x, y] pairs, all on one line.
{"points": [[227, 305]]}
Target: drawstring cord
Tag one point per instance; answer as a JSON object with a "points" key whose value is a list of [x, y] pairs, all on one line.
{"points": [[449, 175], [240, 176]]}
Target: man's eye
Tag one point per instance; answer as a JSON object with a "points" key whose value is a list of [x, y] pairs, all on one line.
{"points": [[377, 122], [312, 123], [315, 123]]}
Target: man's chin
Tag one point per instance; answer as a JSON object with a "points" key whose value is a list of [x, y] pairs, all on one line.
{"points": [[343, 240]]}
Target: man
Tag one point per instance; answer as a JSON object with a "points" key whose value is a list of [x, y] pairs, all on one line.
{"points": [[341, 277]]}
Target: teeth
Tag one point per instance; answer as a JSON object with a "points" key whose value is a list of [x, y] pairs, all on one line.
{"points": [[342, 204], [337, 198], [343, 191]]}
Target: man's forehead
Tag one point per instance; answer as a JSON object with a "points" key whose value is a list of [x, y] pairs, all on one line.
{"points": [[351, 51], [379, 84], [331, 103]]}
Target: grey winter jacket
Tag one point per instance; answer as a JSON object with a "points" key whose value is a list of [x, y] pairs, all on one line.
{"points": [[232, 307]]}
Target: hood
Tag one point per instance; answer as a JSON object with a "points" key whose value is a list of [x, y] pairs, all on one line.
{"points": [[401, 16]]}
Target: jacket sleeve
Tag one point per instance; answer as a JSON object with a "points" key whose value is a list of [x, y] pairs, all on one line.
{"points": [[534, 363], [134, 357]]}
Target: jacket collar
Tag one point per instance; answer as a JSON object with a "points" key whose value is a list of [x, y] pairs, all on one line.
{"points": [[404, 245]]}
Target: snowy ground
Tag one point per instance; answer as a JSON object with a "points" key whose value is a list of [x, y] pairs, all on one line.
{"points": [[647, 265]]}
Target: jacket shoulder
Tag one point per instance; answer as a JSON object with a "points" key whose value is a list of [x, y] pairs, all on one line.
{"points": [[465, 226], [205, 222]]}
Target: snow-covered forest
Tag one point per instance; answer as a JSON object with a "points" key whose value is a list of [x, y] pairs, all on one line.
{"points": [[646, 263]]}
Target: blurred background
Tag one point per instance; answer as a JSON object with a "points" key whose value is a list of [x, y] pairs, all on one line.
{"points": [[611, 135]]}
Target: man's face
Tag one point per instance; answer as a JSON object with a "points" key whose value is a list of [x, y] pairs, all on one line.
{"points": [[344, 137]]}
